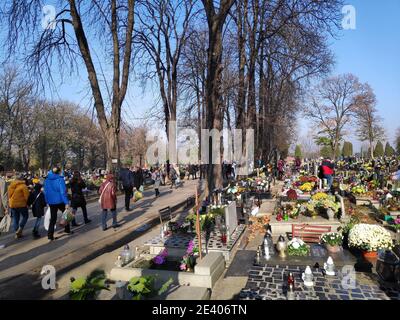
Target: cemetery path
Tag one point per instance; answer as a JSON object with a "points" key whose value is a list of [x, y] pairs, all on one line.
{"points": [[21, 261]]}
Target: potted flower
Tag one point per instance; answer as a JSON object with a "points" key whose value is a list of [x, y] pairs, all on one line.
{"points": [[297, 247], [370, 238], [189, 259], [332, 241]]}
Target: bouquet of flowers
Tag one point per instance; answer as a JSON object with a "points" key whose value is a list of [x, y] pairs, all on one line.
{"points": [[332, 238], [370, 237], [297, 247], [188, 260]]}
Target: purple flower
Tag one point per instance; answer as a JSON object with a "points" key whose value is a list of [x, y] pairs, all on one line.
{"points": [[182, 266], [158, 260], [190, 247], [397, 221]]}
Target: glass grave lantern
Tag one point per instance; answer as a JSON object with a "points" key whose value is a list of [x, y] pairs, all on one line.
{"points": [[269, 248], [126, 255], [308, 277], [281, 246]]}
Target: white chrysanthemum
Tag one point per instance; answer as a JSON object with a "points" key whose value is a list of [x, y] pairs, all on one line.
{"points": [[370, 237]]}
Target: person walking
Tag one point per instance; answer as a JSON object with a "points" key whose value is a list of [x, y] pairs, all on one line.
{"points": [[138, 179], [55, 192], [37, 202], [126, 177], [78, 200], [108, 201], [328, 171], [18, 195], [156, 176]]}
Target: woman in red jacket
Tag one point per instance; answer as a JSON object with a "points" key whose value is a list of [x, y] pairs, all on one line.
{"points": [[108, 201]]}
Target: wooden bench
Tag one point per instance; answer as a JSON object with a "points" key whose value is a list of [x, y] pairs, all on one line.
{"points": [[165, 215], [309, 233]]}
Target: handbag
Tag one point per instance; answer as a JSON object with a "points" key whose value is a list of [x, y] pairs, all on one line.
{"points": [[5, 224], [103, 192]]}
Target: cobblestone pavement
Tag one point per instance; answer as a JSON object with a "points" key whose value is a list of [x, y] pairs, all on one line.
{"points": [[269, 282]]}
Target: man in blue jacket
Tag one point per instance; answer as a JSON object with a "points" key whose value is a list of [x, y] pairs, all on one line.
{"points": [[55, 192]]}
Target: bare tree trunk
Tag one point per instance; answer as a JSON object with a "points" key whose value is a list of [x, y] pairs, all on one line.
{"points": [[213, 83]]}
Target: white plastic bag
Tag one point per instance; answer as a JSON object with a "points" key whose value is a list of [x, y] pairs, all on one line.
{"points": [[5, 224], [47, 217]]}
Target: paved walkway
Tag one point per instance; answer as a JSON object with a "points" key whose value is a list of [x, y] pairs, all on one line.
{"points": [[22, 260]]}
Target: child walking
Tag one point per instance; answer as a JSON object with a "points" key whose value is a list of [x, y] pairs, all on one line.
{"points": [[37, 202]]}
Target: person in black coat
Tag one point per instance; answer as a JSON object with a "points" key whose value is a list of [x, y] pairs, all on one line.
{"points": [[78, 200], [126, 178], [37, 202], [138, 178]]}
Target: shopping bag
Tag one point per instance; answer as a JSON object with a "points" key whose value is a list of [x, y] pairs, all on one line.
{"points": [[137, 196], [141, 189], [47, 217], [66, 217], [5, 224]]}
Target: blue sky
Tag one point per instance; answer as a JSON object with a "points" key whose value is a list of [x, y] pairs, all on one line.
{"points": [[372, 52]]}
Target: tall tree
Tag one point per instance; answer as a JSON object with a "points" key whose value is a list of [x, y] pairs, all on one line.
{"points": [[369, 123], [347, 150], [297, 152], [389, 151], [163, 29], [333, 106], [379, 151], [77, 29], [215, 20]]}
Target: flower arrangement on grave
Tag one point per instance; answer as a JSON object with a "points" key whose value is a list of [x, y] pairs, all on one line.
{"points": [[291, 194], [326, 202], [358, 190], [332, 238], [189, 259], [370, 237], [392, 205], [307, 187], [395, 223], [297, 247], [373, 185], [161, 257], [176, 227], [319, 196]]}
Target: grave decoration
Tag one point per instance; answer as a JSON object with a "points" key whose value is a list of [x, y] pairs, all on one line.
{"points": [[332, 241], [329, 267], [320, 203], [308, 277], [297, 247], [189, 259], [370, 238]]}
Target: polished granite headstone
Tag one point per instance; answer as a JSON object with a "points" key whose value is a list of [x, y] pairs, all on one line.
{"points": [[269, 282]]}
